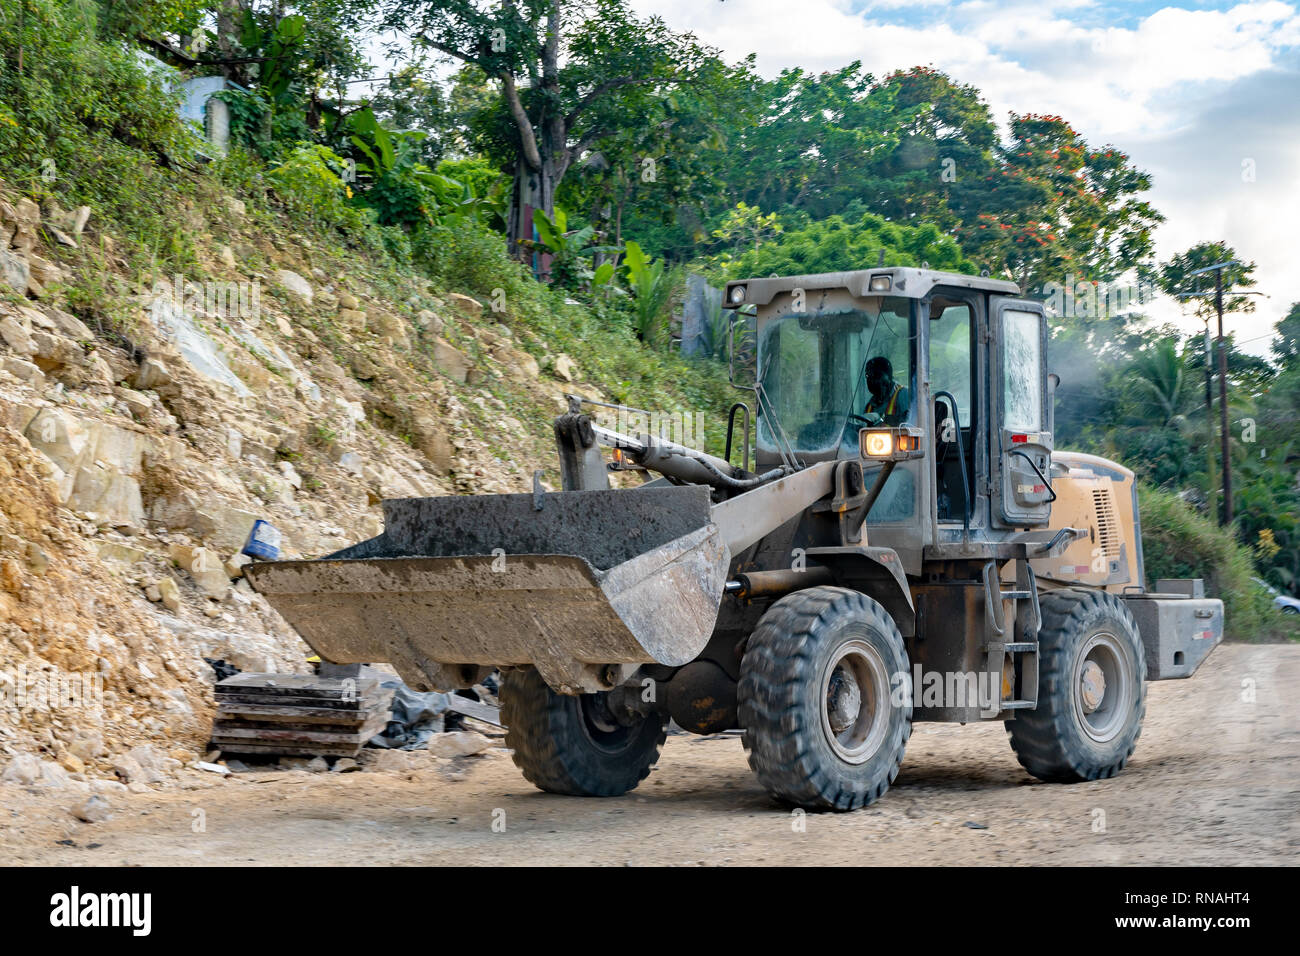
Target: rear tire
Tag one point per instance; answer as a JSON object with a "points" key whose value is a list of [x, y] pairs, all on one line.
{"points": [[817, 687], [1091, 690], [572, 745]]}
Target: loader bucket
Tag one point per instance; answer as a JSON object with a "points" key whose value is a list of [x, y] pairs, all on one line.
{"points": [[570, 582]]}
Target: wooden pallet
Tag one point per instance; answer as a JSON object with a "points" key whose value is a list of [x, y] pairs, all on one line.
{"points": [[300, 715]]}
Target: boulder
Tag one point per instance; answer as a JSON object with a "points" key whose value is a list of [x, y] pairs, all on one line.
{"points": [[139, 405], [466, 305], [459, 743], [152, 374], [56, 351], [27, 216], [455, 363], [17, 334], [224, 526], [432, 441], [24, 371], [170, 593], [209, 573], [43, 271], [565, 368], [94, 809], [101, 489], [290, 475], [235, 565], [520, 365], [87, 744], [70, 325], [14, 271], [295, 283], [352, 463], [28, 770], [354, 320], [429, 321]]}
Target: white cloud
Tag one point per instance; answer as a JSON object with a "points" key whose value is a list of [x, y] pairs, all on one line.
{"points": [[1188, 93]]}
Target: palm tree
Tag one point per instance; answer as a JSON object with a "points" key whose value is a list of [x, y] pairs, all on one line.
{"points": [[1159, 376]]}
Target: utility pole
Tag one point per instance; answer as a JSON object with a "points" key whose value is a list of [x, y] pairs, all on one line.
{"points": [[1224, 437], [1212, 494]]}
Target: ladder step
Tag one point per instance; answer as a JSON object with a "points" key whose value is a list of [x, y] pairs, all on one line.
{"points": [[1018, 704], [1014, 647], [1016, 595]]}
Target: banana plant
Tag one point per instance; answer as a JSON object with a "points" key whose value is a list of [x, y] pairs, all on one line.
{"points": [[652, 286], [571, 251]]}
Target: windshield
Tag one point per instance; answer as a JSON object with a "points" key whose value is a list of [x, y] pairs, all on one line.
{"points": [[817, 369]]}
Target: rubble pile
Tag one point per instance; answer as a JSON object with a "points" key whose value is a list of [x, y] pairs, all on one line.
{"points": [[140, 441]]}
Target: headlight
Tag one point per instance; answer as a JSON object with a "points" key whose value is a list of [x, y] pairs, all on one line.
{"points": [[881, 283], [736, 295], [879, 444], [901, 443]]}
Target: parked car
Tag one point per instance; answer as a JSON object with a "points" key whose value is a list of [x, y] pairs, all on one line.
{"points": [[1283, 602]]}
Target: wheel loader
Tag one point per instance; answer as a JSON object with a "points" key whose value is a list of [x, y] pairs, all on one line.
{"points": [[905, 545]]}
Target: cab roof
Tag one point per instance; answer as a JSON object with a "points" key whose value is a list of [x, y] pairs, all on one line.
{"points": [[907, 282]]}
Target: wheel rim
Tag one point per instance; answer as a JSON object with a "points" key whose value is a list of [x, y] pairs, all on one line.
{"points": [[600, 726], [855, 701], [1103, 686]]}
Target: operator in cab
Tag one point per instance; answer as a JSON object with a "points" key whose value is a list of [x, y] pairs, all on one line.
{"points": [[889, 402]]}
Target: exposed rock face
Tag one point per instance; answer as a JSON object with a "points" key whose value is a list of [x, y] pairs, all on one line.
{"points": [[133, 466]]}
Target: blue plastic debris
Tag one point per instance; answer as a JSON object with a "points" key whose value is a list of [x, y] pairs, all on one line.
{"points": [[263, 541]]}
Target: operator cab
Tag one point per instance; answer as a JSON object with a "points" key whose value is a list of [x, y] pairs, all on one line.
{"points": [[888, 348]]}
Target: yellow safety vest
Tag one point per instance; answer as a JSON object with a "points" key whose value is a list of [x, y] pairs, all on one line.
{"points": [[893, 399]]}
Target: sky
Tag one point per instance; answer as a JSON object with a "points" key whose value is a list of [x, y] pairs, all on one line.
{"points": [[1204, 96]]}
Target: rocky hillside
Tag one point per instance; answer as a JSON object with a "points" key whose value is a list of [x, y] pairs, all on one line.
{"points": [[146, 425]]}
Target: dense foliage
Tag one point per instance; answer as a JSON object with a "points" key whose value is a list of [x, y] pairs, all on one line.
{"points": [[583, 154]]}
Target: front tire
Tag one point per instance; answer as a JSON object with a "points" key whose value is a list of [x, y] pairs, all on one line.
{"points": [[825, 728], [1091, 690], [573, 744]]}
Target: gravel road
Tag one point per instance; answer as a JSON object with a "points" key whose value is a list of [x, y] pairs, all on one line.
{"points": [[1215, 780]]}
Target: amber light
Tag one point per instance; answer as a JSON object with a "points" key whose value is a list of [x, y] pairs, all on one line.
{"points": [[880, 444]]}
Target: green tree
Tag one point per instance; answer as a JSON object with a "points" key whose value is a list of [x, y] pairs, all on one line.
{"points": [[1286, 347], [571, 75], [836, 243], [1176, 279], [941, 151], [1164, 387], [1056, 207], [812, 141]]}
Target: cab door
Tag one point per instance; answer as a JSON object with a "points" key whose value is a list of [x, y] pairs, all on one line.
{"points": [[1021, 444]]}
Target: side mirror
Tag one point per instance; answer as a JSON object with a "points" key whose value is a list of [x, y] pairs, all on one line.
{"points": [[742, 359], [1053, 381]]}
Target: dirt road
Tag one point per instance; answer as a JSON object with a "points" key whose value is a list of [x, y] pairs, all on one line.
{"points": [[1215, 780]]}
